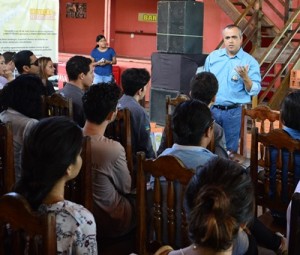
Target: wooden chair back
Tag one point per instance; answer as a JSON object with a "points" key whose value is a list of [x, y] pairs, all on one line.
{"points": [[57, 105], [171, 103], [262, 115], [24, 231], [164, 220], [79, 190], [294, 235], [7, 168], [120, 130], [273, 152]]}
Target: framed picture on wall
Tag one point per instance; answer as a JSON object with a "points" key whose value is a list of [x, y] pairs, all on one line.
{"points": [[76, 10]]}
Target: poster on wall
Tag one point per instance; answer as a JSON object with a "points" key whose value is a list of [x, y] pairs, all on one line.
{"points": [[30, 25], [76, 10]]}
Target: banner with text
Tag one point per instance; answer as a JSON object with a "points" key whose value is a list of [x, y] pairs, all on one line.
{"points": [[30, 25]]}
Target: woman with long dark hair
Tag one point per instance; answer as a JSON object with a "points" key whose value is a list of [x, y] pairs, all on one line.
{"points": [[50, 158]]}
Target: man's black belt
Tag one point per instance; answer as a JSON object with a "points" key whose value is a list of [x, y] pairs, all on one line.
{"points": [[227, 107]]}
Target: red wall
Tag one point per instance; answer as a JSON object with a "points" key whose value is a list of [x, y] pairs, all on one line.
{"points": [[78, 35], [214, 22], [134, 38]]}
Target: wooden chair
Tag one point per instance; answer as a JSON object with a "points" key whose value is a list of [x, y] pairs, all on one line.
{"points": [[24, 231], [7, 169], [120, 130], [57, 105], [294, 235], [261, 114], [151, 230], [79, 190], [273, 150]]}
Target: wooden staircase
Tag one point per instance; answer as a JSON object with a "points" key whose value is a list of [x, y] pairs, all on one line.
{"points": [[271, 31]]}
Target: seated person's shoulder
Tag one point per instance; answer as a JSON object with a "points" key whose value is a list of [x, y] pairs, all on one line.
{"points": [[106, 145], [79, 213]]}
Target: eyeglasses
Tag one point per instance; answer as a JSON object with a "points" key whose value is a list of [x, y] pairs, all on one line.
{"points": [[35, 63]]}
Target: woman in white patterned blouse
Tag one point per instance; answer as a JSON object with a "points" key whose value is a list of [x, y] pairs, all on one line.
{"points": [[50, 158]]}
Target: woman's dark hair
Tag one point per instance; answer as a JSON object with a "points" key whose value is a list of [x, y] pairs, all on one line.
{"points": [[190, 120], [290, 109], [51, 146], [218, 200], [98, 38], [23, 94]]}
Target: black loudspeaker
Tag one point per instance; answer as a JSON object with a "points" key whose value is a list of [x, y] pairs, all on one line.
{"points": [[174, 71], [180, 27], [158, 104]]}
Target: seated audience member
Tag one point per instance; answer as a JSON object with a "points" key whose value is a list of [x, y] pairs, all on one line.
{"points": [[21, 99], [26, 62], [46, 70], [289, 110], [3, 79], [204, 87], [219, 202], [288, 215], [134, 81], [10, 65], [113, 209], [80, 73], [50, 158], [193, 127]]}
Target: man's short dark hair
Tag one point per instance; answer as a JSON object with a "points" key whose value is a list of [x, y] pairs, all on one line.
{"points": [[204, 86], [190, 121], [22, 58], [134, 79], [99, 100], [77, 65]]}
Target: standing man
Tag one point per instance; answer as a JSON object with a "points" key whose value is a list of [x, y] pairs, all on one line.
{"points": [[239, 78], [80, 72]]}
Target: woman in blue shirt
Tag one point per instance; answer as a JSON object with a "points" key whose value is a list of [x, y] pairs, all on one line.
{"points": [[104, 57]]}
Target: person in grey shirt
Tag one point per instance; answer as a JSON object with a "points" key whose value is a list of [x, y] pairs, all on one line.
{"points": [[80, 73], [134, 81]]}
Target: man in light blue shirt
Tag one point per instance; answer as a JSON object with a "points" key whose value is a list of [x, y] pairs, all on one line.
{"points": [[239, 78]]}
